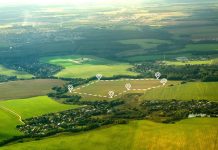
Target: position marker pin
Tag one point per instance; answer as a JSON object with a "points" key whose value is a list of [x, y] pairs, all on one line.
{"points": [[128, 86], [157, 75], [163, 81], [111, 94], [70, 88], [99, 76]]}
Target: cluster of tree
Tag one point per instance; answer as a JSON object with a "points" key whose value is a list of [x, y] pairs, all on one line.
{"points": [[167, 111], [36, 68], [4, 78], [186, 72]]}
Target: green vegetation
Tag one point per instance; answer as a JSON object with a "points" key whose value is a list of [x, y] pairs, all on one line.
{"points": [[35, 106], [88, 66], [199, 133], [188, 91], [145, 43], [26, 108], [10, 72], [8, 125], [103, 87], [27, 88], [201, 47], [192, 62]]}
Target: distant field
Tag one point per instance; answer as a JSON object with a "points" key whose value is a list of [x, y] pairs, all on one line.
{"points": [[201, 47], [145, 43], [196, 31], [192, 62], [189, 134], [88, 66], [10, 72], [99, 90], [26, 108], [188, 91], [27, 88]]}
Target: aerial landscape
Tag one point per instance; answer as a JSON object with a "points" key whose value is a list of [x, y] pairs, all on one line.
{"points": [[109, 75]]}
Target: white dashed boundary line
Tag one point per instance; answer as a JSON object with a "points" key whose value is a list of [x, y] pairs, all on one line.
{"points": [[13, 113], [105, 96]]}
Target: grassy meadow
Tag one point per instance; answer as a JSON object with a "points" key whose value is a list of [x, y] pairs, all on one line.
{"points": [[27, 88], [10, 72], [189, 134], [188, 91], [88, 66], [35, 106], [8, 125], [192, 62]]}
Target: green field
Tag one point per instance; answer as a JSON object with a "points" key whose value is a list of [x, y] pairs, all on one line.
{"points": [[192, 62], [100, 89], [27, 88], [26, 108], [35, 106], [88, 66], [189, 134], [8, 125], [188, 91], [10, 72], [201, 47]]}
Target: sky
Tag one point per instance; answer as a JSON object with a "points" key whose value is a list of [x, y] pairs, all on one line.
{"points": [[58, 2]]}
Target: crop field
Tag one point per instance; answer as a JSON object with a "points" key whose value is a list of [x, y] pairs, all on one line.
{"points": [[192, 62], [190, 134], [8, 125], [27, 88], [10, 72], [88, 66], [35, 106], [188, 91], [25, 108], [99, 90]]}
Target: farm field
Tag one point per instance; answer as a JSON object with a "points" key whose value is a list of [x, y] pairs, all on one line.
{"points": [[10, 72], [8, 125], [27, 88], [188, 91], [189, 134], [98, 90], [192, 62], [88, 66], [35, 106], [26, 108]]}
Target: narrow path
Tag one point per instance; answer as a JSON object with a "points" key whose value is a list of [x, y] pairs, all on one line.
{"points": [[13, 113]]}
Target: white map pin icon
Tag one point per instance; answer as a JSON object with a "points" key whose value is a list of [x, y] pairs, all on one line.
{"points": [[163, 81], [70, 88], [111, 94], [128, 86], [157, 75], [99, 76]]}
